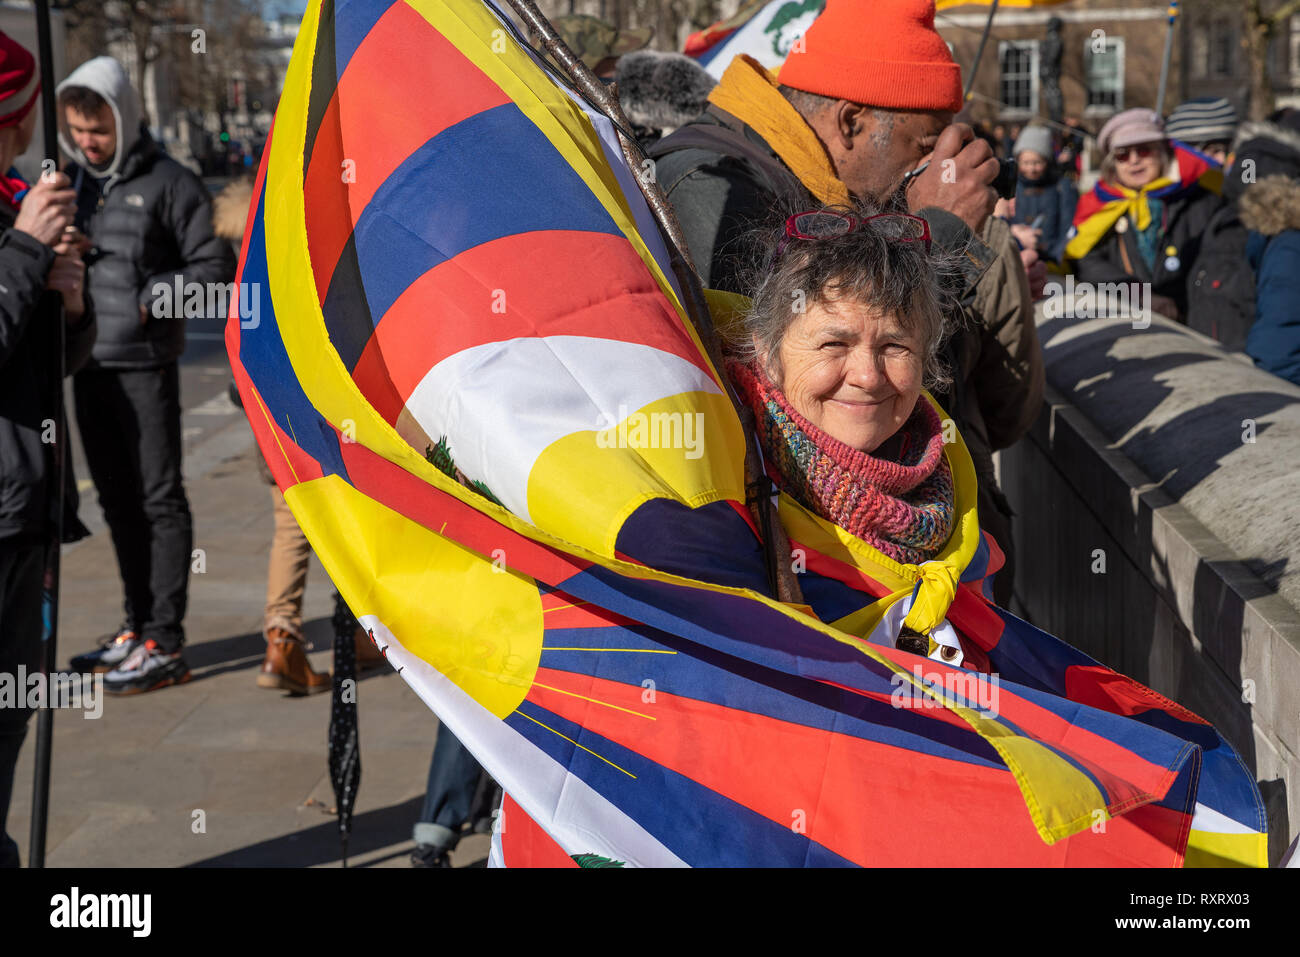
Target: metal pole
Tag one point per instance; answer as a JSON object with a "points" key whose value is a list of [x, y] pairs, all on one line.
{"points": [[50, 582], [1164, 64], [979, 53], [344, 735]]}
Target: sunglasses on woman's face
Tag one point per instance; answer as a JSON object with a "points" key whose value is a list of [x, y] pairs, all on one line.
{"points": [[1141, 152], [901, 227]]}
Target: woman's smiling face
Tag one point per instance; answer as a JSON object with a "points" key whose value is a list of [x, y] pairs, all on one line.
{"points": [[852, 371]]}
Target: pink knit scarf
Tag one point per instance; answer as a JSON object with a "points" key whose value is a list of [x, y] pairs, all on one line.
{"points": [[904, 508]]}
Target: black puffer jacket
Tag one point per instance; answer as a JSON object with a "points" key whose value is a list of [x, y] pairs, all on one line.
{"points": [[28, 384], [149, 224]]}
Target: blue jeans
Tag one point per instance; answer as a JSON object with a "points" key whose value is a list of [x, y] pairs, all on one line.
{"points": [[449, 797]]}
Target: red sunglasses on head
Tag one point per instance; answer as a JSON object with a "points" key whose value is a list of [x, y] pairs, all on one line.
{"points": [[823, 224], [1122, 154]]}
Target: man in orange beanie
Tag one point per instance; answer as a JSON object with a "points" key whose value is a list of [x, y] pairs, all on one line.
{"points": [[862, 103]]}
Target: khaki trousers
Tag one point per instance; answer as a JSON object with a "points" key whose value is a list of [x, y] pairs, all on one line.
{"points": [[286, 571]]}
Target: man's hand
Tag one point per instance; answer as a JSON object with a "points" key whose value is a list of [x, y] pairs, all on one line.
{"points": [[959, 178], [72, 242], [1164, 306], [47, 210], [1035, 270], [68, 278], [1026, 235]]}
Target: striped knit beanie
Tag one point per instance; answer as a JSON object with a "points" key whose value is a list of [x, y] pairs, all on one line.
{"points": [[1204, 120]]}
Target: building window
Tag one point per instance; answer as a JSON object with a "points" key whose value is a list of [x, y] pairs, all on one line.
{"points": [[1279, 55], [1019, 81], [1294, 40], [1221, 44], [1104, 69], [1200, 54]]}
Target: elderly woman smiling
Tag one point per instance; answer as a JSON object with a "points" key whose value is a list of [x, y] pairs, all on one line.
{"points": [[842, 336]]}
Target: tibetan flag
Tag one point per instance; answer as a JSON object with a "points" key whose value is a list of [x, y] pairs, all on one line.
{"points": [[1103, 205], [764, 30], [470, 373], [953, 4]]}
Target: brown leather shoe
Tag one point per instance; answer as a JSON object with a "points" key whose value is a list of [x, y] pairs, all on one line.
{"points": [[368, 656], [286, 667]]}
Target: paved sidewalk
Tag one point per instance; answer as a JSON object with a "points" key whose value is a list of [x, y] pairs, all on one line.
{"points": [[126, 788]]}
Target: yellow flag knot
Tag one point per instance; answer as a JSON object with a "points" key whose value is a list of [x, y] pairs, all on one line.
{"points": [[932, 597], [1136, 201]]}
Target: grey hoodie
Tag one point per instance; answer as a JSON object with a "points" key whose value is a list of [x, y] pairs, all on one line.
{"points": [[150, 222], [106, 77]]}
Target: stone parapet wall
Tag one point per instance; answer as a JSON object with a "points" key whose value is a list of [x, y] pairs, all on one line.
{"points": [[1158, 529]]}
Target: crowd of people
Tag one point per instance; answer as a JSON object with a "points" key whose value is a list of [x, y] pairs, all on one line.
{"points": [[848, 175]]}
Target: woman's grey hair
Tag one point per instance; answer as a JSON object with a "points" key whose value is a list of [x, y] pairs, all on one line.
{"points": [[870, 265]]}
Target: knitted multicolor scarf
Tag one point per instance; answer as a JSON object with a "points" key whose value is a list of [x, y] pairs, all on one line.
{"points": [[903, 508]]}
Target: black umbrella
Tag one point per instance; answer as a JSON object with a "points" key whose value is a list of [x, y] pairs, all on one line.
{"points": [[344, 740], [54, 538]]}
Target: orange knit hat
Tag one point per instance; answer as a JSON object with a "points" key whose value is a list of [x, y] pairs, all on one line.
{"points": [[877, 54]]}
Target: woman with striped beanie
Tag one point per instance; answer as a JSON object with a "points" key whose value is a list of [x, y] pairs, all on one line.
{"points": [[1206, 124]]}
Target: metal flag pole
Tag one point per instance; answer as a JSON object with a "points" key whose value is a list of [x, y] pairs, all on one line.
{"points": [[344, 736], [50, 581], [979, 52], [1164, 64]]}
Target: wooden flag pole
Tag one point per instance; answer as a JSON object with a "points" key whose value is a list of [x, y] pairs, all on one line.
{"points": [[758, 488]]}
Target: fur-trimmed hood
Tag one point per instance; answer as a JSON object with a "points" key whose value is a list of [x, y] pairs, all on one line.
{"points": [[1271, 206], [661, 91], [1261, 149], [1262, 129], [230, 209]]}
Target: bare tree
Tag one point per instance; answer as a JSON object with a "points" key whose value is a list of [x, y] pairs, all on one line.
{"points": [[93, 24], [1260, 29]]}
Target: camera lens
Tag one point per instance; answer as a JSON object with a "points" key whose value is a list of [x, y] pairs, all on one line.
{"points": [[1005, 184]]}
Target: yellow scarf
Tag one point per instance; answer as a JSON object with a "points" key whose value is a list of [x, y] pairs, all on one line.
{"points": [[1134, 204], [749, 93]]}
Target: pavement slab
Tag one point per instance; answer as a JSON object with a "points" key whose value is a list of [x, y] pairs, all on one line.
{"points": [[219, 772]]}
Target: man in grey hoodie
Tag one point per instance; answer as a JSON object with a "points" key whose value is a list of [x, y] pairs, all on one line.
{"points": [[149, 223]]}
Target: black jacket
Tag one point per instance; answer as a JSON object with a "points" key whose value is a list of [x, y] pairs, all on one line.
{"points": [[1223, 288], [1185, 221], [28, 389], [153, 224]]}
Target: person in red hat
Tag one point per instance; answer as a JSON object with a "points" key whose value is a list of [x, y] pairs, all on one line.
{"points": [[863, 108], [39, 263]]}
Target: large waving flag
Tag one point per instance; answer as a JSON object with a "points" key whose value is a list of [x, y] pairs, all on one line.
{"points": [[762, 29], [470, 373], [952, 4]]}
